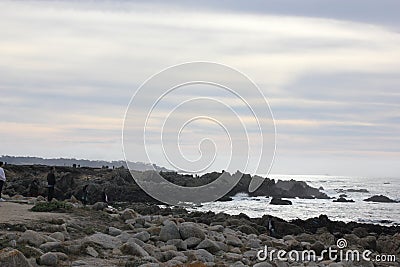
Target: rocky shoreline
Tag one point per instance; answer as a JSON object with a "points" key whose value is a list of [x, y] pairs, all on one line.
{"points": [[144, 234]]}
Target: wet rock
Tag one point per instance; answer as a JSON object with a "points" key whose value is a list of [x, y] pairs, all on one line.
{"points": [[13, 258], [343, 200], [380, 198], [279, 201]]}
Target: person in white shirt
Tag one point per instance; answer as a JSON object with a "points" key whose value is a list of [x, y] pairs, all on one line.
{"points": [[2, 179]]}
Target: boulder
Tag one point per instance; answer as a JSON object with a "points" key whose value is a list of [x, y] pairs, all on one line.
{"points": [[143, 236], [128, 214], [32, 238], [131, 248], [279, 201], [114, 231], [169, 231], [188, 230], [209, 245], [104, 240], [49, 259], [233, 241], [51, 246], [13, 258]]}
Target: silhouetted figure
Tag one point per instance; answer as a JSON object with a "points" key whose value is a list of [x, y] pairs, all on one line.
{"points": [[271, 228], [34, 188], [51, 182], [104, 196], [2, 180], [85, 195]]}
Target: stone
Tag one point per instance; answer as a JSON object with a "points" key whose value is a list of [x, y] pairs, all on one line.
{"points": [[99, 206], [188, 230], [13, 258], [92, 252], [114, 231], [192, 242], [58, 235], [233, 241], [143, 236], [203, 255], [51, 246], [368, 242], [104, 240], [233, 256], [178, 243], [169, 231], [247, 229], [318, 247], [32, 238], [133, 249], [128, 214], [49, 259], [360, 232], [209, 245]]}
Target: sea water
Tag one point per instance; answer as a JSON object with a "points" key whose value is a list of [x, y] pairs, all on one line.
{"points": [[359, 211]]}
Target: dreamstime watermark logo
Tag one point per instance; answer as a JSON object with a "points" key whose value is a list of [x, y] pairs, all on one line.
{"points": [[338, 253], [198, 117]]}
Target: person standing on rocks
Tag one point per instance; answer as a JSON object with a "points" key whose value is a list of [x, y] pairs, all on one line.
{"points": [[51, 182], [85, 194], [2, 180]]}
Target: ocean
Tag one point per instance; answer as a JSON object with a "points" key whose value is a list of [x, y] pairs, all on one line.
{"points": [[359, 211]]}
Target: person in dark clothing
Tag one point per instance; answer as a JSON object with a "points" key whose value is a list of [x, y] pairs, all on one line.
{"points": [[51, 182], [85, 195], [34, 188], [271, 228]]}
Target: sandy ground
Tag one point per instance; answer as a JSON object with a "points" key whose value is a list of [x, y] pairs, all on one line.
{"points": [[13, 213]]}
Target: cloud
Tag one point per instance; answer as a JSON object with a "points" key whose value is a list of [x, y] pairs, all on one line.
{"points": [[68, 70]]}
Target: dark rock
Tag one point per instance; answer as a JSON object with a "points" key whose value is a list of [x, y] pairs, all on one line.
{"points": [[342, 199], [380, 198], [279, 201]]}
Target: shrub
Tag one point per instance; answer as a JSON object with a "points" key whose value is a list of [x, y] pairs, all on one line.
{"points": [[58, 206]]}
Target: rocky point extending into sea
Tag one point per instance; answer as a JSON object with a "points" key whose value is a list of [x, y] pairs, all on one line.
{"points": [[34, 232]]}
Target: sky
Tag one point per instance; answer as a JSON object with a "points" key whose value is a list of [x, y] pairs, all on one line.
{"points": [[329, 71]]}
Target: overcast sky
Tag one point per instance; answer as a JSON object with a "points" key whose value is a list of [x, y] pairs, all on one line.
{"points": [[330, 72]]}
